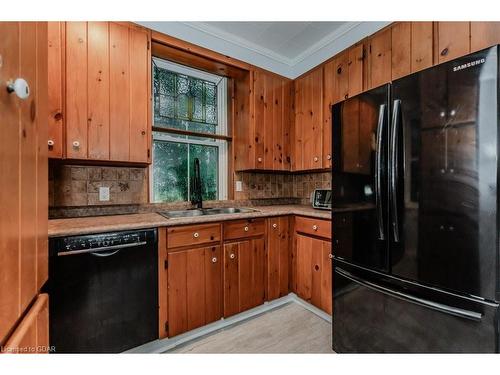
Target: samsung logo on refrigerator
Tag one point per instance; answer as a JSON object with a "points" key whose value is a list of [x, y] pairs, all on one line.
{"points": [[468, 65]]}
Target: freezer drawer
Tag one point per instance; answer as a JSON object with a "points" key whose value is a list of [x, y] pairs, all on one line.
{"points": [[373, 316]]}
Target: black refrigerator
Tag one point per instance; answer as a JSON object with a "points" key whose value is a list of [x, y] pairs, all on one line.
{"points": [[421, 270]]}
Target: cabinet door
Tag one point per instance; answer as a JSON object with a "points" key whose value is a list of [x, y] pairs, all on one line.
{"points": [[453, 40], [98, 90], [380, 59], [483, 35], [55, 93], [76, 90], [355, 68], [401, 49], [244, 275], [336, 78], [278, 257], [309, 120], [421, 45], [304, 250], [194, 288]]}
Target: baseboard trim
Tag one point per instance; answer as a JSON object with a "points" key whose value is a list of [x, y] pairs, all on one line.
{"points": [[167, 344]]}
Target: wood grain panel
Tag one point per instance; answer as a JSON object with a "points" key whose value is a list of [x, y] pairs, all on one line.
{"points": [[139, 95], [286, 124], [336, 78], [162, 283], [268, 124], [316, 271], [380, 58], [421, 45], [98, 90], [483, 35], [76, 90], [244, 228], [304, 266], [326, 277], [356, 70], [401, 49], [195, 288], [231, 279], [243, 129], [275, 147], [119, 94], [177, 293], [55, 89], [453, 40], [259, 118], [298, 114], [278, 257], [189, 235], [213, 284]]}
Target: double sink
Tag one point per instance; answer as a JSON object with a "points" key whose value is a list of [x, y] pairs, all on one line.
{"points": [[205, 211]]}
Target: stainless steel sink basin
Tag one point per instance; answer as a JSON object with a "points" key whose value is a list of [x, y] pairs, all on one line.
{"points": [[205, 211]]}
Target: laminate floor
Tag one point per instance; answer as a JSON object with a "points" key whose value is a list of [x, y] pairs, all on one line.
{"points": [[288, 329]]}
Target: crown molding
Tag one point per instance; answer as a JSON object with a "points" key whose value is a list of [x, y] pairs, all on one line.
{"points": [[220, 41]]}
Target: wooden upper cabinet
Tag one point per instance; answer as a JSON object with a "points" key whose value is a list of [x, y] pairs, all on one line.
{"points": [[401, 49], [379, 58], [356, 57], [308, 145], [453, 40], [55, 92], [421, 45], [104, 71], [483, 35]]}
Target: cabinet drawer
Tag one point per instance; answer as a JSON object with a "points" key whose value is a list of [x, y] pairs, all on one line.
{"points": [[192, 235], [244, 228], [315, 227]]}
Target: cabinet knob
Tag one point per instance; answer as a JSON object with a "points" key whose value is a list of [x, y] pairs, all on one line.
{"points": [[245, 229], [316, 159], [328, 157], [20, 87], [330, 256], [275, 225], [50, 142], [315, 227], [259, 160], [76, 145], [231, 256], [214, 260], [196, 235]]}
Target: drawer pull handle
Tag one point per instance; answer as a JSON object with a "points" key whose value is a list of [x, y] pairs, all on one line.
{"points": [[275, 225], [196, 235], [245, 229], [214, 260], [315, 227], [231, 256]]}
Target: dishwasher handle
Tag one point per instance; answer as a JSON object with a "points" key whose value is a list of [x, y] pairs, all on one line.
{"points": [[98, 250]]}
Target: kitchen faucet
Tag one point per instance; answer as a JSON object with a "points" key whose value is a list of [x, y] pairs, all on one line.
{"points": [[196, 196]]}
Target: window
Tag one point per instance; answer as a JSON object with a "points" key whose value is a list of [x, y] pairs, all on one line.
{"points": [[189, 116]]}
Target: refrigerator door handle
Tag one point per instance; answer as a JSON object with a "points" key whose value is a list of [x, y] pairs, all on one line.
{"points": [[394, 168], [378, 172], [466, 314]]}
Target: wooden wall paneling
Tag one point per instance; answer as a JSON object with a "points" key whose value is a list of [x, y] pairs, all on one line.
{"points": [[453, 40], [162, 283], [213, 284], [231, 279], [483, 35], [29, 146], [76, 90], [421, 45], [401, 49], [356, 57], [119, 94], [10, 192], [380, 58], [55, 89], [98, 90], [140, 67]]}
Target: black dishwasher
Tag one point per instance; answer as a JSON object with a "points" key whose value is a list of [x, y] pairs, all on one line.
{"points": [[103, 291]]}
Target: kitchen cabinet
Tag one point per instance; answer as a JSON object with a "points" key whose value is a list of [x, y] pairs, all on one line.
{"points": [[401, 49], [422, 34], [194, 288], [484, 35], [356, 69], [105, 75], [278, 257], [453, 40], [308, 127], [379, 58], [24, 169]]}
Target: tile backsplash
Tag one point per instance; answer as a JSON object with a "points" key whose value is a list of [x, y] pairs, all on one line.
{"points": [[76, 185]]}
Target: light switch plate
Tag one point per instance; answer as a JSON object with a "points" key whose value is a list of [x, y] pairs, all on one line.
{"points": [[104, 193], [239, 186]]}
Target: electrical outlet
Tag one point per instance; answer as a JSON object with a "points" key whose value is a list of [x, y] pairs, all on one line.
{"points": [[104, 193], [239, 186]]}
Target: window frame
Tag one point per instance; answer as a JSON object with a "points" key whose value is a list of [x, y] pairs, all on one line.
{"points": [[163, 133]]}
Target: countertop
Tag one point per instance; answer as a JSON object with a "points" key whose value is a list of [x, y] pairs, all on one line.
{"points": [[99, 224]]}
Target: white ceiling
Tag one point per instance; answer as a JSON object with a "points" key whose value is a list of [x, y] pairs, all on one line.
{"points": [[286, 48]]}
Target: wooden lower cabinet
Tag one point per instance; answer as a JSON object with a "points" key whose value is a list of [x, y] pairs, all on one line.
{"points": [[278, 257], [244, 275], [314, 271], [194, 288], [32, 334]]}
